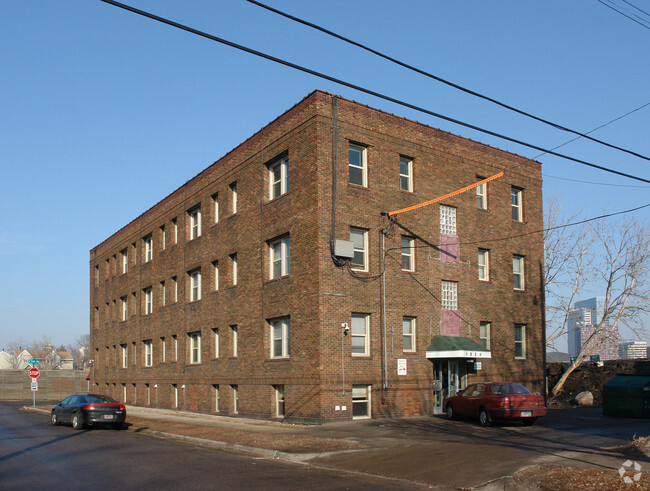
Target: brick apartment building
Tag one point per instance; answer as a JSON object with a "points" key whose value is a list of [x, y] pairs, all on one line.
{"points": [[256, 288]]}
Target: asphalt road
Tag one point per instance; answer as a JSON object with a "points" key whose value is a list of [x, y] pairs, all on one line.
{"points": [[36, 455]]}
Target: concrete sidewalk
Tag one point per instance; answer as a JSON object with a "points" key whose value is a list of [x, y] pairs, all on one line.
{"points": [[414, 452]]}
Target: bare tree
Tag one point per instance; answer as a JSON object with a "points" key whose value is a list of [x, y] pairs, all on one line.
{"points": [[81, 351], [619, 267]]}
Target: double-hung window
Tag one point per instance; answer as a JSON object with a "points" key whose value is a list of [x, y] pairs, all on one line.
{"points": [[163, 238], [520, 341], [233, 263], [148, 300], [280, 337], [148, 353], [233, 197], [215, 271], [195, 347], [279, 178], [125, 355], [517, 205], [279, 401], [481, 195], [195, 222], [405, 174], [360, 239], [447, 220], [215, 334], [125, 260], [280, 257], [518, 272], [449, 295], [215, 201], [359, 334], [148, 248], [234, 331], [408, 333], [484, 334], [358, 165], [125, 307], [483, 265], [195, 284], [360, 401], [408, 254]]}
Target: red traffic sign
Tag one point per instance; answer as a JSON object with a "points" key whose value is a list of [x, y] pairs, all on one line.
{"points": [[34, 373]]}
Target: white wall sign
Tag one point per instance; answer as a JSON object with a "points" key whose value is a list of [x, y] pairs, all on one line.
{"points": [[401, 366]]}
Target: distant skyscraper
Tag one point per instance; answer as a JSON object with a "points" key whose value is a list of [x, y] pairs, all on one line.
{"points": [[632, 350], [582, 324]]}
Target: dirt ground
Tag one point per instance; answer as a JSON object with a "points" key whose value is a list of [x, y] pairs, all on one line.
{"points": [[570, 478]]}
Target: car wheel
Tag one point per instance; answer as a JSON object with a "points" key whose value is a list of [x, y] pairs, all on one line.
{"points": [[484, 417], [529, 421], [450, 412], [54, 419], [77, 421]]}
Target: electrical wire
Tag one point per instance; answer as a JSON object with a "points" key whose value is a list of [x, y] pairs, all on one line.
{"points": [[637, 8], [440, 79], [365, 90], [595, 183], [623, 14]]}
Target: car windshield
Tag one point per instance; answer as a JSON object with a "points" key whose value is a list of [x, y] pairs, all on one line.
{"points": [[97, 399], [501, 389]]}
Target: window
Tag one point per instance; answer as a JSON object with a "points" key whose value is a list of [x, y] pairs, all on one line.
{"points": [[279, 401], [357, 165], [280, 337], [163, 239], [484, 334], [125, 355], [515, 198], [125, 308], [148, 353], [518, 272], [175, 230], [215, 388], [279, 178], [405, 174], [520, 341], [408, 254], [449, 295], [175, 288], [280, 257], [148, 248], [408, 333], [360, 401], [195, 284], [215, 201], [135, 352], [233, 197], [124, 393], [234, 331], [233, 262], [195, 347], [235, 398], [163, 292], [195, 222], [148, 300], [215, 271], [125, 260], [215, 335], [360, 239], [174, 396], [163, 349], [96, 275], [481, 195], [359, 334], [175, 341], [483, 265], [447, 220]]}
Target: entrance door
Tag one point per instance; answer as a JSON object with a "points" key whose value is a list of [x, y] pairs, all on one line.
{"points": [[449, 376]]}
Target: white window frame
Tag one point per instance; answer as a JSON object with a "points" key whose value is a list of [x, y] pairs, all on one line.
{"points": [[279, 401], [175, 225], [215, 201], [125, 355], [175, 395], [518, 272], [125, 308], [195, 347], [361, 394], [195, 222], [362, 167], [148, 248], [516, 195], [148, 353], [520, 344], [280, 257], [408, 253], [215, 388], [448, 220], [215, 272], [235, 398], [195, 284], [360, 329], [278, 178], [481, 195], [234, 332], [135, 352], [449, 295], [175, 339], [163, 349], [359, 236], [233, 262], [215, 335], [408, 334], [406, 178], [125, 261], [163, 238], [484, 334], [148, 300], [233, 197], [163, 294], [175, 286], [483, 265], [280, 334]]}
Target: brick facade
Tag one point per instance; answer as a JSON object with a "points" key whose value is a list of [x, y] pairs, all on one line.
{"points": [[317, 295]]}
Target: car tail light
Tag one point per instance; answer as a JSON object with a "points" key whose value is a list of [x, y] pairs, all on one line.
{"points": [[122, 408], [505, 402]]}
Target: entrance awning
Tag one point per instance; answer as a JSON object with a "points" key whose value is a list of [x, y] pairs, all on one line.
{"points": [[456, 347]]}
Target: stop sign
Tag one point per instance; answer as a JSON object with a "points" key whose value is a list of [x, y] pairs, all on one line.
{"points": [[34, 373]]}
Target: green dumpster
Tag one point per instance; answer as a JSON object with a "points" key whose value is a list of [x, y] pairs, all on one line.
{"points": [[628, 396]]}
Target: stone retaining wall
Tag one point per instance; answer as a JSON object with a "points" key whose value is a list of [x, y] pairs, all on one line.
{"points": [[15, 385]]}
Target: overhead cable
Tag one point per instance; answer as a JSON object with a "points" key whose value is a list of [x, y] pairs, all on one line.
{"points": [[365, 90]]}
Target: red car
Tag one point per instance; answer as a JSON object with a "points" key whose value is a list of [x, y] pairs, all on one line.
{"points": [[492, 401]]}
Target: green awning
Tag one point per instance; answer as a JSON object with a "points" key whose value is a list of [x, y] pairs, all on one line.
{"points": [[456, 347]]}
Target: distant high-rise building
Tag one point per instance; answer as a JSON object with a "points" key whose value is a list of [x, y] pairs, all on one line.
{"points": [[584, 327], [632, 350]]}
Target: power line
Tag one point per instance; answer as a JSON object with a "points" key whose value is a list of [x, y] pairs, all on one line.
{"points": [[594, 183], [637, 8], [364, 90], [623, 14], [439, 79]]}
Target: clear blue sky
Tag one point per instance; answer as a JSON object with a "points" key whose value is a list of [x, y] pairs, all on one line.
{"points": [[105, 112]]}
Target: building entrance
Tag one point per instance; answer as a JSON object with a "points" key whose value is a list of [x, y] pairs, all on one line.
{"points": [[449, 376]]}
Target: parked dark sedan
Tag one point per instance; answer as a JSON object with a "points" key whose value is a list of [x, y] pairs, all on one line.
{"points": [[491, 401], [88, 409]]}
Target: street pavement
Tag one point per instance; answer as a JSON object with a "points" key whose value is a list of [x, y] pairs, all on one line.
{"points": [[414, 452]]}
